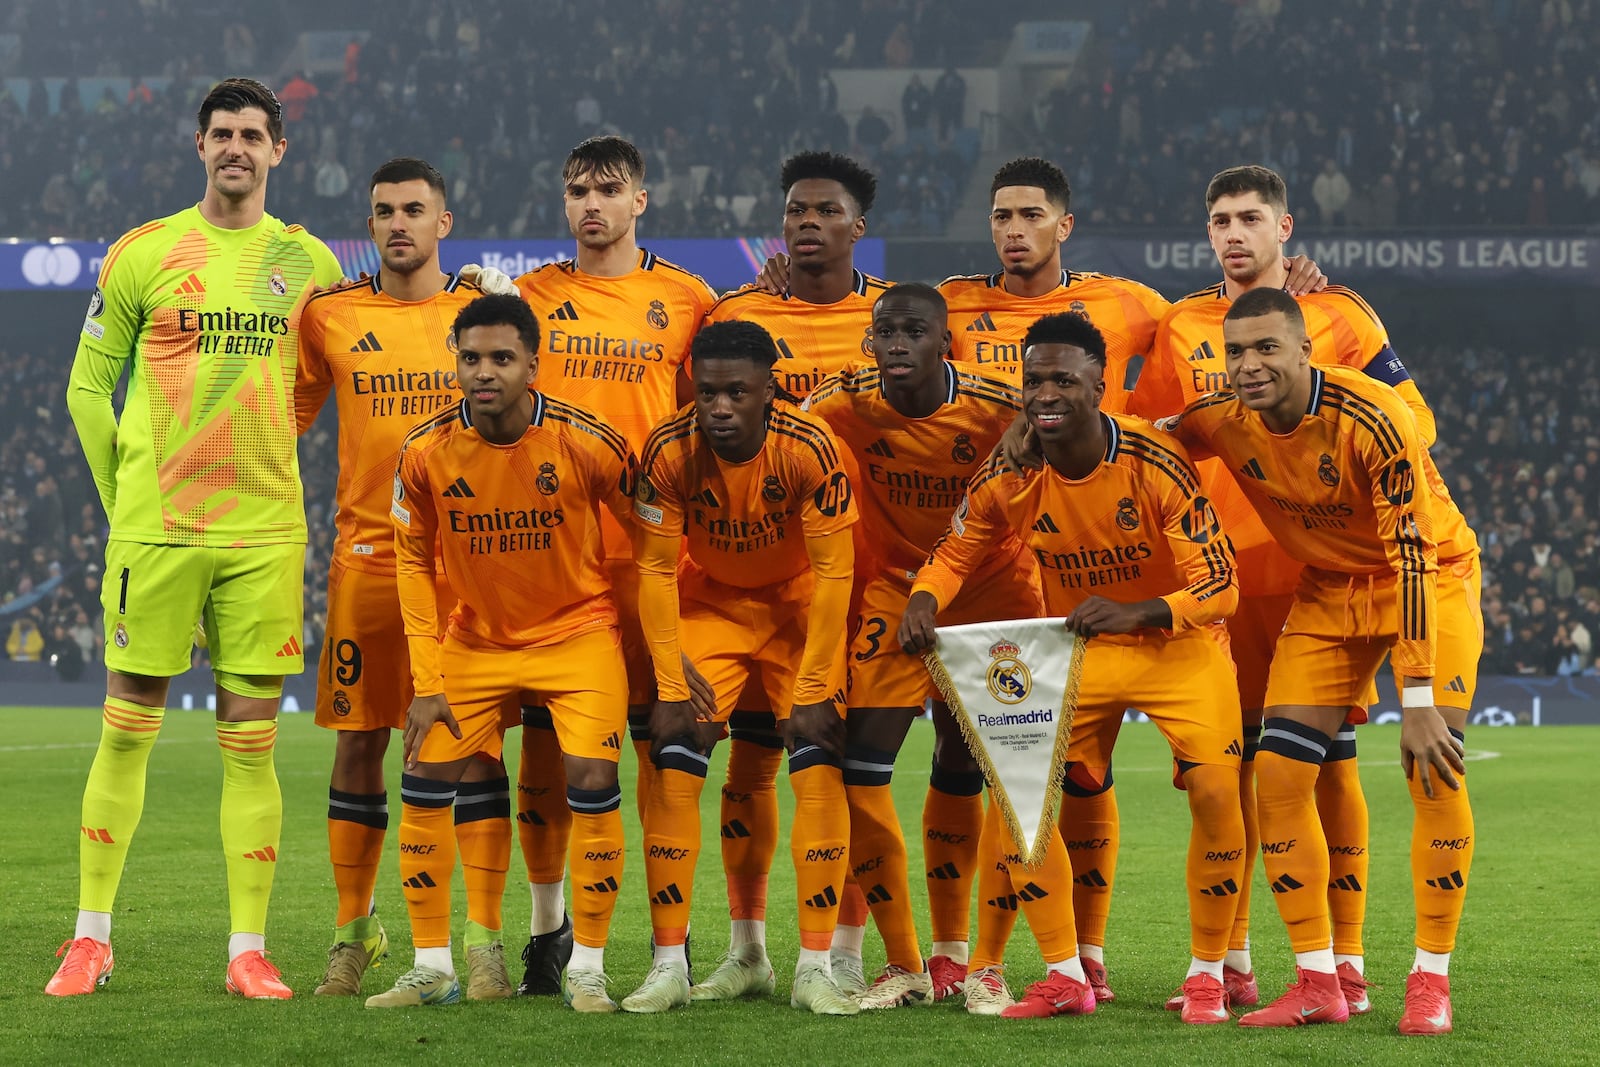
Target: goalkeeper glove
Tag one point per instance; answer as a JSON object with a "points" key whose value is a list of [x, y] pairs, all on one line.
{"points": [[490, 280]]}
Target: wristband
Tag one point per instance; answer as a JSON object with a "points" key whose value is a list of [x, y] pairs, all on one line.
{"points": [[1416, 696]]}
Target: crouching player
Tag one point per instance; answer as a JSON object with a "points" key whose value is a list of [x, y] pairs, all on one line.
{"points": [[757, 487], [1115, 509], [509, 484]]}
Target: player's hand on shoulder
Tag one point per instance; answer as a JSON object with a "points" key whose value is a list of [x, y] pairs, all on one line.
{"points": [[1304, 276], [340, 284], [916, 634], [819, 723], [1428, 748], [774, 275], [421, 717], [489, 279]]}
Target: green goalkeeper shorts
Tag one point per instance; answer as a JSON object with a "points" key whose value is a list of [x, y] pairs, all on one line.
{"points": [[251, 600]]}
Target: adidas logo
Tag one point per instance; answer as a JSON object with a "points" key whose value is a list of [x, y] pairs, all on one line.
{"points": [[190, 286], [734, 828], [1348, 883], [1226, 889], [982, 324], [1046, 525], [1031, 892], [1284, 884], [1203, 353], [99, 835], [1005, 903], [825, 899], [1091, 877], [369, 343], [1449, 882], [1456, 685], [612, 741], [265, 855], [290, 647], [945, 872], [881, 448], [1233, 749], [669, 895], [565, 313], [1253, 470], [707, 497], [784, 351], [421, 881], [531, 817], [607, 886], [879, 895], [459, 488]]}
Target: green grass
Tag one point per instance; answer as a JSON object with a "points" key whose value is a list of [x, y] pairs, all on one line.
{"points": [[1524, 975]]}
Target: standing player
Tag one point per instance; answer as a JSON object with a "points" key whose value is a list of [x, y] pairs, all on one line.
{"points": [[1117, 508], [1248, 224], [757, 487], [618, 322], [380, 346], [918, 427], [1339, 475], [819, 321], [506, 488], [200, 480]]}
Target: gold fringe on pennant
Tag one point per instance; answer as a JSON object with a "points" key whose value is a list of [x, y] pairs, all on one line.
{"points": [[1066, 716]]}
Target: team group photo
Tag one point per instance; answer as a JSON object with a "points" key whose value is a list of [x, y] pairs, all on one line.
{"points": [[1013, 587]]}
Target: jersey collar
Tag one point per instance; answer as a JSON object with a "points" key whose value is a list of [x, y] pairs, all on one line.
{"points": [[538, 410], [858, 284], [1317, 378], [1113, 437], [997, 279]]}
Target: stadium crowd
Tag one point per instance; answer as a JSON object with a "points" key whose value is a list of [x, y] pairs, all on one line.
{"points": [[1394, 113], [1524, 464]]}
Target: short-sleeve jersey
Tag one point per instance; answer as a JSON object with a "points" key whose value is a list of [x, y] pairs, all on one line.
{"points": [[389, 365], [1136, 528], [746, 523], [913, 473], [517, 525], [1346, 490], [209, 320], [614, 345], [1188, 362], [987, 323], [814, 340]]}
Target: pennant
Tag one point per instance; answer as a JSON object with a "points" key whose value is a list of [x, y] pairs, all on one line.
{"points": [[1013, 688]]}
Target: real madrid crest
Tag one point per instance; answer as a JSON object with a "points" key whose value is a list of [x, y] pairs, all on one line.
{"points": [[772, 489], [547, 481], [277, 283], [120, 637], [1008, 678], [645, 490], [1078, 307], [1327, 471], [341, 703], [866, 343], [1127, 514], [657, 315], [962, 450]]}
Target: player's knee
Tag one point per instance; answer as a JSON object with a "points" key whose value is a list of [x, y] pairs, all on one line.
{"points": [[960, 781], [1213, 790], [359, 748], [590, 774], [249, 686], [757, 728], [600, 800], [807, 754], [681, 754]]}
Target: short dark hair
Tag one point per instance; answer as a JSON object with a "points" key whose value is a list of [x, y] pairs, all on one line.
{"points": [[1067, 328], [1036, 172], [605, 157], [1250, 178], [236, 94], [916, 291], [857, 180], [1255, 303], [499, 309], [409, 169], [734, 339]]}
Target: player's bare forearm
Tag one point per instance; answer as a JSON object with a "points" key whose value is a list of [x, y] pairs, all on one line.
{"points": [[917, 633]]}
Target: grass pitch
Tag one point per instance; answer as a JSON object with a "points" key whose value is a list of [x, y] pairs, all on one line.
{"points": [[1524, 975]]}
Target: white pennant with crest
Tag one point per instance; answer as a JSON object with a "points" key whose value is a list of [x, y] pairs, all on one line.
{"points": [[1013, 688]]}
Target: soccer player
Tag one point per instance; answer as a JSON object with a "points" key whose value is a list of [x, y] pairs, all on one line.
{"points": [[918, 427], [508, 485], [618, 322], [199, 477], [758, 488], [820, 321], [1338, 473], [1248, 223], [1117, 509], [380, 347]]}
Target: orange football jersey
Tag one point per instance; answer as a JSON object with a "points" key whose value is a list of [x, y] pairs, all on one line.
{"points": [[814, 340], [1188, 362], [389, 366], [913, 473], [1340, 491], [987, 323], [1136, 528], [517, 527]]}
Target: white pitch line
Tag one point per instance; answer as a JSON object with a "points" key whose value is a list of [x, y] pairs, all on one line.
{"points": [[85, 744]]}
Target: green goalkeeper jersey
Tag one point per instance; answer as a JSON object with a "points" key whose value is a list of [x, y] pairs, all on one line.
{"points": [[206, 320]]}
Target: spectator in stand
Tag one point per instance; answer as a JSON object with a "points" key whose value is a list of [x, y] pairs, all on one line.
{"points": [[949, 101]]}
